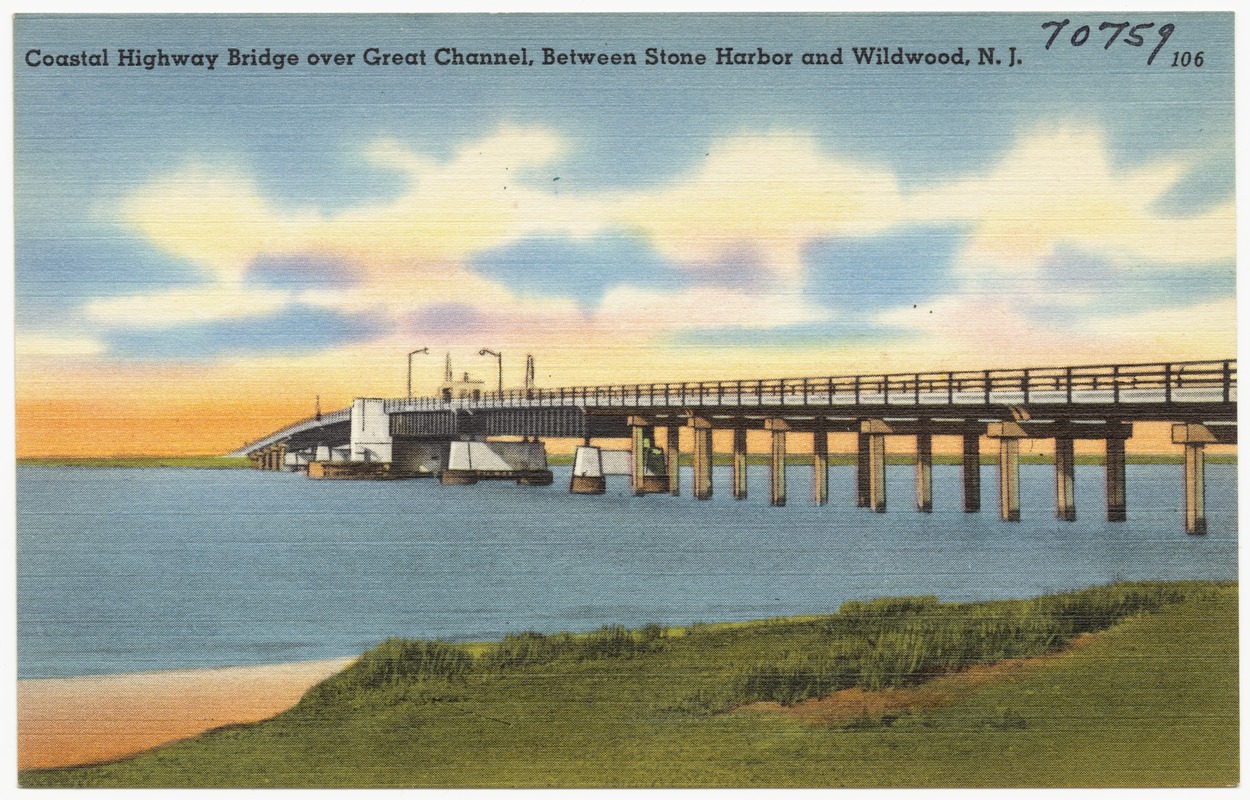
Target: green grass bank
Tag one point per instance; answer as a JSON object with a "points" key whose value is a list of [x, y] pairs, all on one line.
{"points": [[1151, 700]]}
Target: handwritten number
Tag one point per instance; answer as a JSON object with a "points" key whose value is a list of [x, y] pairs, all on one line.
{"points": [[1134, 38], [1164, 32], [1119, 28], [1058, 26]]}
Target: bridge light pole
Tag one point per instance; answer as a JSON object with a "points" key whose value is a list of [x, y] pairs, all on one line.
{"points": [[485, 351], [410, 355]]}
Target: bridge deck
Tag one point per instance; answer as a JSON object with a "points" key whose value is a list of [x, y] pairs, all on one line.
{"points": [[1202, 391]]}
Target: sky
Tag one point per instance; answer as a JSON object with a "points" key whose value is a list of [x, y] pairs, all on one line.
{"points": [[201, 254]]}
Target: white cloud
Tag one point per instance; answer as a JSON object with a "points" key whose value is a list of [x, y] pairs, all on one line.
{"points": [[757, 200], [172, 307], [1062, 187]]}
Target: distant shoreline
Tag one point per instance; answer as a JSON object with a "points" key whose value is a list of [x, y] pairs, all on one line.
{"points": [[140, 462]]}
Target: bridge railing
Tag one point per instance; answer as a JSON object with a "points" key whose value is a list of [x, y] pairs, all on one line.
{"points": [[342, 415], [1110, 384], [1166, 382]]}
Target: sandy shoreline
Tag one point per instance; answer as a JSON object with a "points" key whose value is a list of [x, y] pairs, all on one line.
{"points": [[65, 721]]}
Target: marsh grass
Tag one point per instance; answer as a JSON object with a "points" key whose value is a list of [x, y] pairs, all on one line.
{"points": [[885, 643]]}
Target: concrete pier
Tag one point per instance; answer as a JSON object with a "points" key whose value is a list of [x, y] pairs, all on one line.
{"points": [[863, 484], [924, 472], [820, 466], [471, 461], [1117, 501], [875, 430], [702, 430], [777, 465], [1195, 438], [647, 470], [1065, 480], [1008, 435], [587, 477], [740, 464], [673, 441], [640, 436], [972, 473], [1195, 490]]}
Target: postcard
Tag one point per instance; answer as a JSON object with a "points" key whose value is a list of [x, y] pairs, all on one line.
{"points": [[627, 400]]}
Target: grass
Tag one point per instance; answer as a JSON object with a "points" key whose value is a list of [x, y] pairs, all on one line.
{"points": [[1152, 701], [136, 462]]}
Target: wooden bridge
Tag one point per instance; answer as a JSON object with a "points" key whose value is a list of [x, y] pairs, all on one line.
{"points": [[1065, 404]]}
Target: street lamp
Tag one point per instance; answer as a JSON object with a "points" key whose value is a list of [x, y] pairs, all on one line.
{"points": [[410, 355], [488, 352]]}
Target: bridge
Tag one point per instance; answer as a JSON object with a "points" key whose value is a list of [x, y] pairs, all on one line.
{"points": [[451, 438]]}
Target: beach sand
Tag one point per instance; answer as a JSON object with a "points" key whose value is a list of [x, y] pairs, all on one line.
{"points": [[66, 721]]}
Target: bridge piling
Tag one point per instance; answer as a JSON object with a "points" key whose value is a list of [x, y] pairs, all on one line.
{"points": [[1008, 435], [1065, 480], [740, 464], [820, 466], [876, 472], [863, 485], [972, 473], [777, 466], [924, 473], [1194, 438], [702, 430], [673, 442], [875, 430], [1117, 502], [1195, 490], [640, 440]]}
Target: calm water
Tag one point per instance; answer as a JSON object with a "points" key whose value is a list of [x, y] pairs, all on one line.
{"points": [[130, 570]]}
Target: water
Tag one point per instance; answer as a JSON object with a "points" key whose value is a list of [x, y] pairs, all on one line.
{"points": [[123, 570]]}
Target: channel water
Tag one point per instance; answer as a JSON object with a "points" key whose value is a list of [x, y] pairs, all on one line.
{"points": [[131, 570]]}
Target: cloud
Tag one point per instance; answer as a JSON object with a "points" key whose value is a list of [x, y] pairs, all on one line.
{"points": [[735, 235], [702, 307], [1062, 187], [172, 307], [215, 217], [757, 201]]}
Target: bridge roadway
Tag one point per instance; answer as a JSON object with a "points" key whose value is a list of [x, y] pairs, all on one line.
{"points": [[1099, 402]]}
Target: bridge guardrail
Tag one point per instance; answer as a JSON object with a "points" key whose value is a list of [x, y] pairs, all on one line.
{"points": [[1165, 382], [1113, 384]]}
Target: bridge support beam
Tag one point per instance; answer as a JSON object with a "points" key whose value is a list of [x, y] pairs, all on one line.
{"points": [[638, 442], [702, 430], [863, 483], [1065, 480], [924, 472], [820, 466], [972, 473], [875, 430], [740, 464], [1195, 438], [876, 472], [1008, 435], [646, 462], [673, 441], [777, 466], [1117, 501]]}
